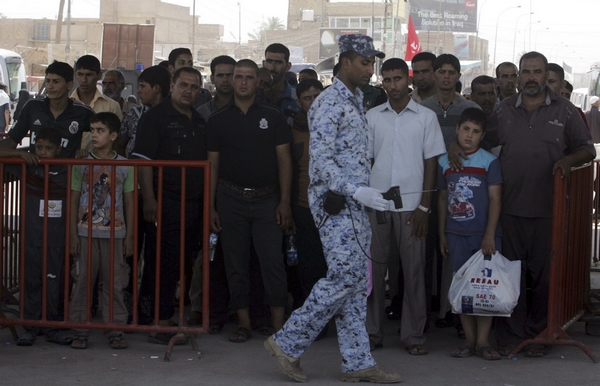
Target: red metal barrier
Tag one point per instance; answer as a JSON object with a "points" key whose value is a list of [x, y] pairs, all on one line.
{"points": [[568, 295], [12, 261]]}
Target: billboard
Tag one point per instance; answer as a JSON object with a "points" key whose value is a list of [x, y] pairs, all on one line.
{"points": [[328, 39], [444, 15]]}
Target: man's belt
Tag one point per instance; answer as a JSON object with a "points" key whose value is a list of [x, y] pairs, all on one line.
{"points": [[249, 192]]}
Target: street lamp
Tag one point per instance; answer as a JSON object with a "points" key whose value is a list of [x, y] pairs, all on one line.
{"points": [[553, 47], [536, 36], [496, 34], [515, 37], [528, 27]]}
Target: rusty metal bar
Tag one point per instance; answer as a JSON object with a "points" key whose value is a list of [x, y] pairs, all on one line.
{"points": [[569, 265], [20, 192]]}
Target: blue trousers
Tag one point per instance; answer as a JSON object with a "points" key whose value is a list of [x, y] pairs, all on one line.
{"points": [[341, 294]]}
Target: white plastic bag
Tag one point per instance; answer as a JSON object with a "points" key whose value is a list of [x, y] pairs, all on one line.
{"points": [[486, 287]]}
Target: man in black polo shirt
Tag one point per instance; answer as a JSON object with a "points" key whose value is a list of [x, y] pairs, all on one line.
{"points": [[249, 148], [56, 110], [172, 130]]}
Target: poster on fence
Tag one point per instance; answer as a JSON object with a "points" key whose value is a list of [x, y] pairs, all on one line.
{"points": [[444, 15]]}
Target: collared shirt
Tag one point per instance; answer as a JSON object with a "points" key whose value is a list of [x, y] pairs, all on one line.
{"points": [[399, 142], [100, 103], [247, 143], [71, 123], [531, 145], [448, 118], [166, 134], [338, 149]]}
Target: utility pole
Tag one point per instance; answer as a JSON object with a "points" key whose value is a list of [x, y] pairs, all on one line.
{"points": [[68, 46], [194, 30], [59, 22]]}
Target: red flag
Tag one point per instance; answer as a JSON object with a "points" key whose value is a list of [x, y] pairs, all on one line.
{"points": [[413, 46]]}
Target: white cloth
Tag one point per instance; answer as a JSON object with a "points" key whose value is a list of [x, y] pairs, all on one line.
{"points": [[399, 143]]}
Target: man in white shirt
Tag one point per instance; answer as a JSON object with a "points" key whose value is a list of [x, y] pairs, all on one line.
{"points": [[404, 141]]}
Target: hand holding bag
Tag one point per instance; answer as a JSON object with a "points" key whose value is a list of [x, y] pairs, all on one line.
{"points": [[486, 286]]}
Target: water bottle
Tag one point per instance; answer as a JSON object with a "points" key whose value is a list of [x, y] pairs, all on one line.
{"points": [[291, 252], [212, 244]]}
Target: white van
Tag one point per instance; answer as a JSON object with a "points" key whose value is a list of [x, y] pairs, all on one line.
{"points": [[12, 72], [580, 98]]}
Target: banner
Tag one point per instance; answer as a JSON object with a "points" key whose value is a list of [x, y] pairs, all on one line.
{"points": [[444, 15], [413, 46], [328, 42], [461, 46]]}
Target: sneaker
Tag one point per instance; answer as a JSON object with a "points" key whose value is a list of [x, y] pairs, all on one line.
{"points": [[289, 365], [372, 374]]}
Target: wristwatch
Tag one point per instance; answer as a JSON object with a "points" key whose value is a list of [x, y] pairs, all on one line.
{"points": [[424, 209]]}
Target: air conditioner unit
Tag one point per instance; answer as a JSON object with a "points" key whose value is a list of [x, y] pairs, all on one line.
{"points": [[308, 15]]}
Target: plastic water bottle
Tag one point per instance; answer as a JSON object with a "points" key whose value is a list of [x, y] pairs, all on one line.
{"points": [[212, 244], [291, 252]]}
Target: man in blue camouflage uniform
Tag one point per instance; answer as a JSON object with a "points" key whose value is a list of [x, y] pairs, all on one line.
{"points": [[339, 164]]}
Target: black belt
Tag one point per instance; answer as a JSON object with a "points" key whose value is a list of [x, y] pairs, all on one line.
{"points": [[249, 192]]}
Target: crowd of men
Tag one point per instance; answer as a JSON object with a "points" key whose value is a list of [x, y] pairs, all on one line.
{"points": [[283, 157]]}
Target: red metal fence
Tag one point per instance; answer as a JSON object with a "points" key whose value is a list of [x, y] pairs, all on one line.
{"points": [[12, 263], [568, 298]]}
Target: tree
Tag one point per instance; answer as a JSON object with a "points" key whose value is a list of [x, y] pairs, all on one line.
{"points": [[272, 23]]}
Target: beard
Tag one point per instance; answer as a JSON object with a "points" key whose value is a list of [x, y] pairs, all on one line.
{"points": [[533, 89]]}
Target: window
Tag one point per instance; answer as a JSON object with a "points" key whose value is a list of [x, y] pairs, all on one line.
{"points": [[354, 23], [42, 31], [342, 23]]}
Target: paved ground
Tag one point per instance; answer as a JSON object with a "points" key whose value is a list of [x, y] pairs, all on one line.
{"points": [[223, 363]]}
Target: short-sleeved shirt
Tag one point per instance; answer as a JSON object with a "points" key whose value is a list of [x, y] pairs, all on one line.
{"points": [[247, 143], [468, 197], [338, 145], [36, 114], [448, 118], [399, 143], [100, 209], [129, 126], [164, 133], [35, 205], [531, 145]]}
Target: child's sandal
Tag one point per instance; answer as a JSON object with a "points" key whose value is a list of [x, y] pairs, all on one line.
{"points": [[79, 342], [117, 342]]}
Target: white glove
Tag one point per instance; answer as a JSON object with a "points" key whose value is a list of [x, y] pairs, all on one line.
{"points": [[371, 198]]}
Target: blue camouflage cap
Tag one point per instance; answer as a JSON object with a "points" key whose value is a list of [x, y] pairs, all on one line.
{"points": [[361, 44]]}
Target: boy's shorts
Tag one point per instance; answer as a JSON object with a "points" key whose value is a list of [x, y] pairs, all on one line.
{"points": [[463, 247]]}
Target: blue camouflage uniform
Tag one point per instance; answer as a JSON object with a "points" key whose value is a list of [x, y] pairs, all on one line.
{"points": [[338, 162]]}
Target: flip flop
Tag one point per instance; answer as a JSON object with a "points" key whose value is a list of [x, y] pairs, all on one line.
{"points": [[417, 349], [59, 338], [240, 335], [458, 353], [117, 342], [79, 342], [488, 353], [537, 350]]}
